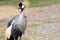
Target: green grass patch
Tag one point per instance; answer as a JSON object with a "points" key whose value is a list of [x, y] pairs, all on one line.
{"points": [[3, 22], [37, 3], [2, 38], [9, 2], [33, 3]]}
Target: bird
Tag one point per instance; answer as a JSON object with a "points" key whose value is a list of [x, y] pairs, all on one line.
{"points": [[17, 25]]}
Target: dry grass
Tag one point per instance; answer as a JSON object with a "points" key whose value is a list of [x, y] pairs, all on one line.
{"points": [[43, 23]]}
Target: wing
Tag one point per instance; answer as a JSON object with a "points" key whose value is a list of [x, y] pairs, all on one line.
{"points": [[10, 21]]}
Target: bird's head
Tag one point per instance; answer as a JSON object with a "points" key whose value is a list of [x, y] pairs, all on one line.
{"points": [[21, 6]]}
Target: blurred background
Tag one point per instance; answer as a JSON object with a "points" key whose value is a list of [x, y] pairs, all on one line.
{"points": [[43, 18]]}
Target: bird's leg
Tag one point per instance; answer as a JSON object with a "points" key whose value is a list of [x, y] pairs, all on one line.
{"points": [[15, 38]]}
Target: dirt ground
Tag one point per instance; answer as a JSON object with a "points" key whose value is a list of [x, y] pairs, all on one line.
{"points": [[45, 21]]}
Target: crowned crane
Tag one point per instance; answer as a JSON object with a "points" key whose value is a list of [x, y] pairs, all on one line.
{"points": [[17, 25]]}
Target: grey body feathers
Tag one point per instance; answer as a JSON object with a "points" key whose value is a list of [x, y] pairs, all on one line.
{"points": [[19, 23]]}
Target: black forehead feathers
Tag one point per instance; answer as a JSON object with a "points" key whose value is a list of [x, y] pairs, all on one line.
{"points": [[20, 4]]}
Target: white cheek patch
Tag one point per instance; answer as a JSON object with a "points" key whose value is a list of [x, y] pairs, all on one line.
{"points": [[22, 6]]}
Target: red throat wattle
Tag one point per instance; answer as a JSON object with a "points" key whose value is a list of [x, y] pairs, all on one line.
{"points": [[20, 11]]}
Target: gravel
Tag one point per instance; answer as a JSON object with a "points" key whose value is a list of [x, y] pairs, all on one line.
{"points": [[47, 20]]}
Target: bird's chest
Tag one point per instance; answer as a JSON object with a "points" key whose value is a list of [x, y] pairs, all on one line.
{"points": [[21, 20]]}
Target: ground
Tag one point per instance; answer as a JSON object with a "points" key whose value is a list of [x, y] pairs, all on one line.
{"points": [[43, 22]]}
